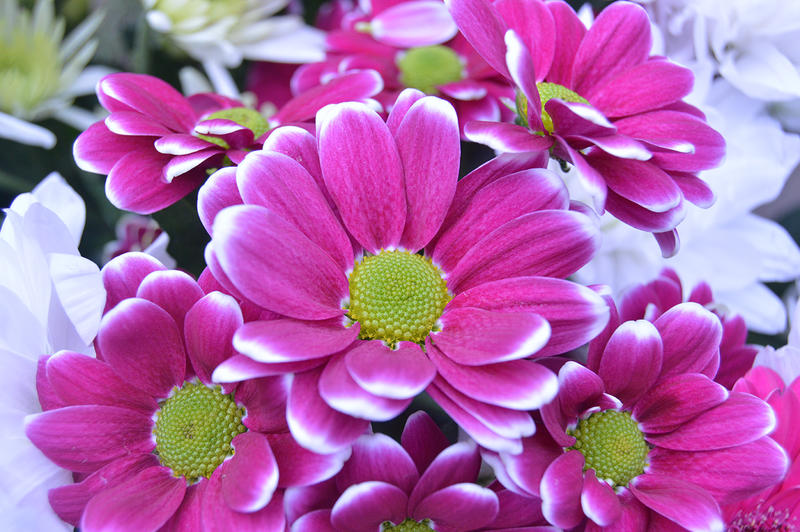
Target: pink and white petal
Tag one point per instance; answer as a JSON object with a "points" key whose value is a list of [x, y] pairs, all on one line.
{"points": [[316, 521], [523, 72], [148, 95], [359, 156], [97, 150], [640, 182], [410, 24], [250, 477], [378, 457], [669, 243], [217, 516], [635, 348], [533, 22], [172, 290], [694, 189], [241, 367], [400, 373], [188, 516], [568, 39], [576, 314], [676, 400], [422, 439], [299, 466], [218, 192], [344, 394], [457, 463], [498, 203], [579, 389], [589, 178], [83, 380], [180, 144], [363, 507], [526, 469], [638, 217], [133, 123], [547, 243], [282, 185], [598, 500], [144, 502], [741, 419], [225, 284], [301, 146], [691, 336], [122, 275], [135, 183], [515, 384], [685, 504], [466, 90], [429, 144], [181, 165], [577, 118], [297, 278], [264, 400], [478, 22], [618, 40], [506, 138], [407, 98], [287, 340], [645, 87], [475, 337], [305, 499], [460, 506], [560, 489], [84, 438], [314, 424], [620, 146], [208, 332]]}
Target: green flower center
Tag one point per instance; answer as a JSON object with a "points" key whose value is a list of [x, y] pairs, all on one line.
{"points": [[547, 91], [203, 13], [427, 67], [612, 445], [194, 428], [396, 296], [409, 525], [249, 118]]}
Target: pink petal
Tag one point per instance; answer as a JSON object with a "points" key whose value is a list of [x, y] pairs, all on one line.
{"points": [[589, 178], [97, 150], [422, 439], [457, 463], [430, 148], [134, 123], [342, 393], [251, 475], [579, 389], [474, 337], [209, 328], [598, 500], [141, 342], [144, 502], [525, 470], [287, 340], [283, 186], [506, 138], [217, 516], [634, 349], [478, 22], [378, 457], [196, 163], [218, 192], [668, 242], [173, 291], [640, 218], [467, 90], [316, 521], [679, 501], [399, 373], [240, 367], [84, 438], [147, 95], [561, 489], [676, 400], [359, 156], [618, 40], [691, 336], [460, 506], [409, 24], [741, 419], [694, 189], [498, 203], [405, 100], [363, 507], [546, 243], [188, 515], [301, 146], [297, 278], [179, 144], [314, 424], [569, 35], [533, 22], [522, 70], [515, 384], [82, 380], [299, 466], [264, 400], [122, 275]]}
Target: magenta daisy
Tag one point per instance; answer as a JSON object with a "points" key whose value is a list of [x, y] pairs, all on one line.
{"points": [[598, 100], [153, 442], [156, 146], [329, 237], [665, 448]]}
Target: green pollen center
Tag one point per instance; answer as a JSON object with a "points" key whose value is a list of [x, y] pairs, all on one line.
{"points": [[194, 429], [409, 525], [427, 67], [612, 445], [249, 118], [396, 296], [547, 91]]}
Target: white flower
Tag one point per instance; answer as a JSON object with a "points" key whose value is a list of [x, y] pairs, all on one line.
{"points": [[786, 360], [52, 299], [727, 246], [40, 75]]}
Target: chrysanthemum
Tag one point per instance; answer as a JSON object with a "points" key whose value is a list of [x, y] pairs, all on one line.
{"points": [[598, 100], [329, 238], [139, 233], [666, 447], [152, 440], [156, 146]]}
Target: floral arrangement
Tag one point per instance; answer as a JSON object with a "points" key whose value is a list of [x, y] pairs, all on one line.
{"points": [[399, 265]]}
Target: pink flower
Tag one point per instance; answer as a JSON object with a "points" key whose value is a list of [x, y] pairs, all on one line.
{"points": [[643, 438], [156, 146], [150, 439], [778, 506], [328, 238], [598, 100]]}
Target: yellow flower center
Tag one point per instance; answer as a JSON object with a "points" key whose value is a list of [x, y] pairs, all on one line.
{"points": [[547, 91]]}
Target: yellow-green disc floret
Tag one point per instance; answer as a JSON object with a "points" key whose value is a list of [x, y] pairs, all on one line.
{"points": [[427, 67], [249, 118], [396, 296], [409, 525], [547, 91], [194, 428], [612, 445]]}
